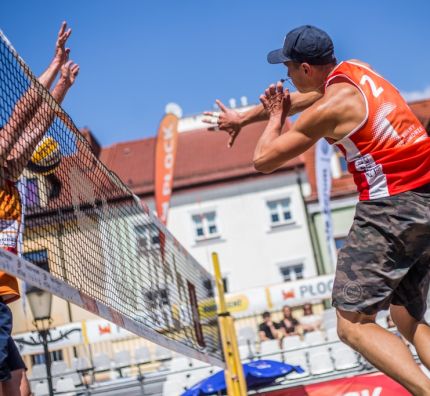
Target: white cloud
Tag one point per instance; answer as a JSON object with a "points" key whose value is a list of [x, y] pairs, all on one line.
{"points": [[417, 95]]}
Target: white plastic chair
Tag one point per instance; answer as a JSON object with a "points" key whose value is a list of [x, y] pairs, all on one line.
{"points": [[314, 338], [122, 358], [344, 357], [332, 334], [162, 354], [66, 384], [297, 358], [59, 367], [412, 349], [41, 389], [330, 323], [142, 355], [292, 341], [80, 363], [320, 362], [246, 352], [38, 371], [246, 334], [381, 319], [196, 363], [101, 363], [173, 388], [329, 314], [180, 363], [270, 350]]}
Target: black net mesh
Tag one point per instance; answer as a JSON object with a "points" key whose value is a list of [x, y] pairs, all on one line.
{"points": [[85, 227]]}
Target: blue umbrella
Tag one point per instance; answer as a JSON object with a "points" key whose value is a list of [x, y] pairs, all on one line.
{"points": [[257, 373]]}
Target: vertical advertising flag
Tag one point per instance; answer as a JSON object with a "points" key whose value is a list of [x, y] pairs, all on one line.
{"points": [[165, 156], [323, 154]]}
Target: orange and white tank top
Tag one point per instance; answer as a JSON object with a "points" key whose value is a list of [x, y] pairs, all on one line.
{"points": [[389, 152], [10, 220]]}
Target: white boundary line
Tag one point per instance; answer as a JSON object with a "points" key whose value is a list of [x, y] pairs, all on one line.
{"points": [[38, 277]]}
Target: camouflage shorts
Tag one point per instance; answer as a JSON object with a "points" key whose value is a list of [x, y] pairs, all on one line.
{"points": [[386, 258]]}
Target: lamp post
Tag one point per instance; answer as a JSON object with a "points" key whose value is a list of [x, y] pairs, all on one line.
{"points": [[40, 302]]}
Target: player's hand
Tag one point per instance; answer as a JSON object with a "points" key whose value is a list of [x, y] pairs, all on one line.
{"points": [[227, 120], [61, 52], [69, 72], [276, 101]]}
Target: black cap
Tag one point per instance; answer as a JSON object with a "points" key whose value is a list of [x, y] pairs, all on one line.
{"points": [[305, 44]]}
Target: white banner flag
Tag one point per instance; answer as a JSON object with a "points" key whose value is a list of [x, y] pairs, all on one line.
{"points": [[323, 154]]}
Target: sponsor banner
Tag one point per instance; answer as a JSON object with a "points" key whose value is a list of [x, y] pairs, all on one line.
{"points": [[165, 156], [323, 154], [376, 384], [257, 300], [102, 330], [301, 291]]}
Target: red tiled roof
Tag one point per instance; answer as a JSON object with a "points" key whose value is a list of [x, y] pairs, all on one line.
{"points": [[202, 158]]}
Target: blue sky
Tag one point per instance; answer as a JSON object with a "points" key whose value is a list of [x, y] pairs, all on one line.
{"points": [[138, 55]]}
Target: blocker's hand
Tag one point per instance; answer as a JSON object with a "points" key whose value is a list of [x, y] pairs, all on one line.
{"points": [[61, 53], [227, 120], [69, 72], [276, 101]]}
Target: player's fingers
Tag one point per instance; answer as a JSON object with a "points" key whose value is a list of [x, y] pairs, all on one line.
{"points": [[272, 89], [221, 105], [279, 87], [263, 100], [62, 28]]}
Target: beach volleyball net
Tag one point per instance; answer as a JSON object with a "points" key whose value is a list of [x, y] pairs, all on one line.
{"points": [[86, 238]]}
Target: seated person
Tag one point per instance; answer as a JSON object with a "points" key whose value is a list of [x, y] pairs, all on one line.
{"points": [[310, 321], [289, 325], [267, 330]]}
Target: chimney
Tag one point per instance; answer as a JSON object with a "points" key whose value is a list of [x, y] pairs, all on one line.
{"points": [[90, 138]]}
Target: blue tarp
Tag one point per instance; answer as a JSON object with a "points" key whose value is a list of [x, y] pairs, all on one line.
{"points": [[257, 373]]}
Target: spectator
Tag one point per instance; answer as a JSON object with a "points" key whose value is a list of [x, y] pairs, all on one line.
{"points": [[289, 325], [267, 330], [310, 321]]}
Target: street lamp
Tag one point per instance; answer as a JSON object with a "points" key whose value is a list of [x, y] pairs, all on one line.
{"points": [[40, 302]]}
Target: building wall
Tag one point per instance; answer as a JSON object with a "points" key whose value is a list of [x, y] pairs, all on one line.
{"points": [[342, 212], [250, 250]]}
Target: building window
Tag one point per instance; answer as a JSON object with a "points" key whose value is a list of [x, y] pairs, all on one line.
{"points": [[291, 272], [147, 238], [33, 199], [339, 166], [39, 258], [280, 212], [39, 358], [205, 226], [339, 242]]}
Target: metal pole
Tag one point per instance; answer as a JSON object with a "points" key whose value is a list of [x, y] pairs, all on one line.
{"points": [[44, 336], [234, 378]]}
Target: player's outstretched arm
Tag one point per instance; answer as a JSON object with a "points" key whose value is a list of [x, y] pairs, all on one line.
{"points": [[232, 121], [37, 127], [61, 56], [26, 107]]}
